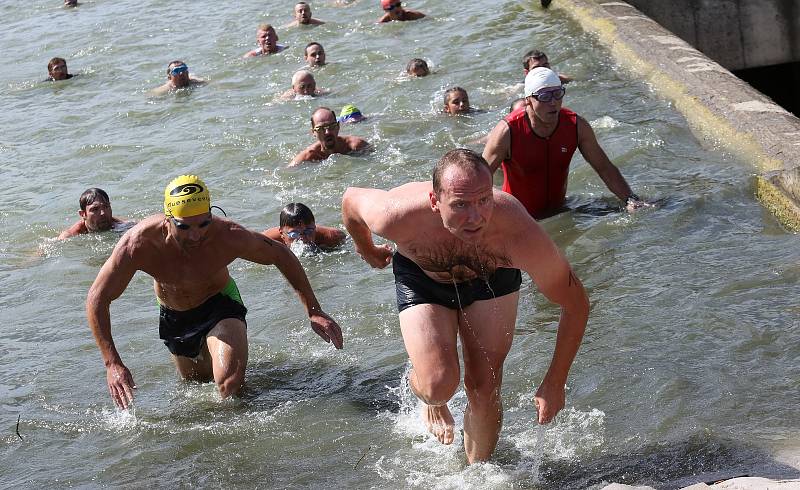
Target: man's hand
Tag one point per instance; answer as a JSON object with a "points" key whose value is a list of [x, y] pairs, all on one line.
{"points": [[632, 205], [326, 328], [120, 385], [549, 401], [378, 257]]}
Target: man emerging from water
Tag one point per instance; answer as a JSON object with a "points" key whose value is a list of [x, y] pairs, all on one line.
{"points": [[95, 213], [187, 251], [325, 127], [177, 78], [393, 10], [460, 246]]}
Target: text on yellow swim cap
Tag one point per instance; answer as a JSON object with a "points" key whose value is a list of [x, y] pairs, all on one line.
{"points": [[185, 196]]}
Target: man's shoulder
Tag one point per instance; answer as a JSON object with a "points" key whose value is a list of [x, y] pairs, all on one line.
{"points": [[310, 153], [77, 228], [355, 142]]}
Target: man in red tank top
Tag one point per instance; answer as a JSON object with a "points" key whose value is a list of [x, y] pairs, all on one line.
{"points": [[535, 145]]}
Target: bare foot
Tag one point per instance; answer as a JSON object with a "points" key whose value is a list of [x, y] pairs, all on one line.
{"points": [[439, 421]]}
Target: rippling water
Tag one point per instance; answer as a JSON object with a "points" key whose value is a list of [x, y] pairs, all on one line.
{"points": [[689, 363]]}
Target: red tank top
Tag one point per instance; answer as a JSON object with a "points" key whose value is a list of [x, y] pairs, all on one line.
{"points": [[537, 171]]}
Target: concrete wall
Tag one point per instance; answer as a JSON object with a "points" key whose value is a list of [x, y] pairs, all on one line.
{"points": [[735, 33], [722, 110]]}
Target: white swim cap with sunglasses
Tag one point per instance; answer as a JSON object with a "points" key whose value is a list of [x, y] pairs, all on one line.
{"points": [[540, 78]]}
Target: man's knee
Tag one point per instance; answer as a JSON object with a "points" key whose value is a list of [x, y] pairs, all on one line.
{"points": [[231, 384], [436, 388], [483, 389]]}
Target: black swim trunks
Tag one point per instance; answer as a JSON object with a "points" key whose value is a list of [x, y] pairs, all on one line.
{"points": [[183, 332], [414, 287]]}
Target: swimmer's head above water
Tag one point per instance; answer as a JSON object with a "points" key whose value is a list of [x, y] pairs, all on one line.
{"points": [[297, 223], [456, 101], [417, 67], [303, 83], [350, 114], [314, 54]]}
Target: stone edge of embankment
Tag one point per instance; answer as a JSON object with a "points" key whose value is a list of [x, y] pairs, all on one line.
{"points": [[723, 111]]}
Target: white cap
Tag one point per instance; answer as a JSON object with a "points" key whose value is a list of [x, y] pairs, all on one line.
{"points": [[539, 78]]}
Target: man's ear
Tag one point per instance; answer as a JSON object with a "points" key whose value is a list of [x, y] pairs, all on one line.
{"points": [[434, 202], [82, 213]]}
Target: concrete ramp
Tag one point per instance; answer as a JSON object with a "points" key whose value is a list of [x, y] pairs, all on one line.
{"points": [[723, 111]]}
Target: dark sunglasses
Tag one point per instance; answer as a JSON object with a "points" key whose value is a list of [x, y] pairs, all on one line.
{"points": [[392, 7], [550, 95], [183, 226], [324, 127]]}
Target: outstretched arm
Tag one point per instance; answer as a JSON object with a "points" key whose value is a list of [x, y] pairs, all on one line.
{"points": [[112, 280], [498, 146], [363, 212], [535, 253], [255, 247], [597, 158]]}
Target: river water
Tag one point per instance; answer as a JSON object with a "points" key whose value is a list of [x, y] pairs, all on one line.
{"points": [[690, 361]]}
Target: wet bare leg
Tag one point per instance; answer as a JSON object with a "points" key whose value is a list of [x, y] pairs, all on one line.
{"points": [[487, 332], [429, 334], [195, 368], [227, 345]]}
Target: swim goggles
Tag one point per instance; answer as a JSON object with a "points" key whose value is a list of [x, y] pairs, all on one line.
{"points": [[177, 70], [185, 226], [549, 95], [392, 7], [294, 234]]}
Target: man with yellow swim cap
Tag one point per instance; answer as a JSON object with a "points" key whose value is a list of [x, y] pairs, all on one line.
{"points": [[187, 251]]}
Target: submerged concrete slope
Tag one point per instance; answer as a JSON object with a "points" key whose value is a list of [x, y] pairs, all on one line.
{"points": [[722, 110]]}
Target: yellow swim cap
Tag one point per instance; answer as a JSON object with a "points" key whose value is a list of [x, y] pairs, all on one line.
{"points": [[186, 196]]}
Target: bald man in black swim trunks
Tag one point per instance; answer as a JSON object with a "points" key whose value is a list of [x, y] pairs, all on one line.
{"points": [[460, 247]]}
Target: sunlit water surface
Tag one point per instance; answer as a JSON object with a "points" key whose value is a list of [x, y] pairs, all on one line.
{"points": [[689, 364]]}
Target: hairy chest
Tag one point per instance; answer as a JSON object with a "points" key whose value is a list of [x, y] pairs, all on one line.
{"points": [[459, 261]]}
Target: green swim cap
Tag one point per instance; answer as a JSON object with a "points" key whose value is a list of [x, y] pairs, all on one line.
{"points": [[350, 112]]}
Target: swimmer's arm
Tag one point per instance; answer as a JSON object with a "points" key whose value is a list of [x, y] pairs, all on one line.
{"points": [[597, 158], [307, 155], [114, 277], [535, 253], [357, 144], [76, 229], [163, 89], [250, 54], [565, 79], [255, 247], [498, 145], [414, 15], [384, 18], [328, 237], [273, 233], [364, 213]]}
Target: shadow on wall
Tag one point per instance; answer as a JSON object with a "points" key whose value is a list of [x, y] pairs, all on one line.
{"points": [[779, 82]]}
